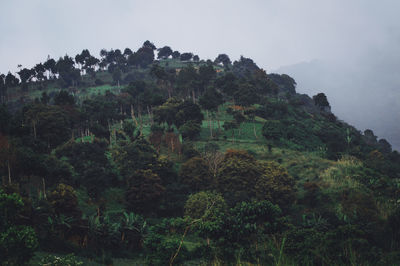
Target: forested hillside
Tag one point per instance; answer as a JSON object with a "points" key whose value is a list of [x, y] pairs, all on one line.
{"points": [[158, 157]]}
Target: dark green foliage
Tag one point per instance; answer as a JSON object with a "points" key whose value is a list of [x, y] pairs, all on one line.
{"points": [[164, 52], [186, 56], [17, 242], [176, 112], [273, 130], [276, 185], [321, 100], [50, 124], [144, 191], [90, 164], [129, 128], [196, 174], [142, 57], [237, 176], [227, 83], [64, 201], [100, 131], [211, 99], [224, 59], [17, 245], [245, 67], [101, 109], [81, 157], [188, 111], [206, 207], [190, 130], [64, 98], [5, 120], [287, 83], [133, 156], [160, 244], [245, 95]]}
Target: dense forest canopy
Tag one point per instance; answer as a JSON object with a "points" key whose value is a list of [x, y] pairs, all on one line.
{"points": [[158, 157]]}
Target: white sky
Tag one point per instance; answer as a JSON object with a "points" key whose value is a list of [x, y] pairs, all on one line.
{"points": [[274, 33]]}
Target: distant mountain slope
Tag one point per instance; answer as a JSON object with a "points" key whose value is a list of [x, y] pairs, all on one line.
{"points": [[370, 98]]}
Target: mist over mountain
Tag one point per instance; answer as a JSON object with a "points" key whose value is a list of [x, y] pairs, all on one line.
{"points": [[363, 93]]}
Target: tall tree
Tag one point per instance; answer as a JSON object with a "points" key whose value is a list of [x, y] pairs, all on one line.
{"points": [[224, 59], [7, 156], [50, 66], [164, 53], [186, 56], [210, 101]]}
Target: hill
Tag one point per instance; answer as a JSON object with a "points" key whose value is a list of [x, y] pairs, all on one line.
{"points": [[178, 160]]}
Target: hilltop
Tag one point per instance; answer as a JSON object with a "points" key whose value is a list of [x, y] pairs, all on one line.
{"points": [[157, 156]]}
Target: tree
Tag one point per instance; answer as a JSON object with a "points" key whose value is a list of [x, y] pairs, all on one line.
{"points": [[3, 89], [69, 75], [224, 59], [17, 242], [127, 52], [64, 98], [142, 57], [144, 192], [207, 74], [186, 56], [237, 176], [275, 185], [164, 53], [231, 125], [190, 130], [245, 95], [251, 114], [188, 111], [129, 129], [148, 44], [188, 81], [210, 101], [10, 80], [227, 83], [175, 112], [239, 119], [273, 130], [176, 55], [64, 201], [50, 66], [196, 174], [25, 75], [167, 112], [91, 166], [49, 123], [205, 206], [101, 109], [245, 67], [285, 82], [116, 75], [133, 156], [39, 70], [7, 155], [321, 101], [196, 58]]}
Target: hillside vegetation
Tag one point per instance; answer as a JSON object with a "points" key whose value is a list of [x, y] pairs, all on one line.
{"points": [[133, 160]]}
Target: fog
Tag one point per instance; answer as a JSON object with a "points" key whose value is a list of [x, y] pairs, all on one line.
{"points": [[348, 49]]}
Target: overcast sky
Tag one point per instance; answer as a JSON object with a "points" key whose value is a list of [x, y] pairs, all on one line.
{"points": [[362, 37], [274, 33]]}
